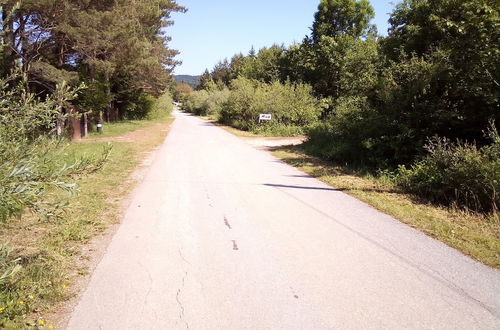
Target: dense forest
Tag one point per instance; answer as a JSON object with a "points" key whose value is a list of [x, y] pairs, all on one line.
{"points": [[421, 102]]}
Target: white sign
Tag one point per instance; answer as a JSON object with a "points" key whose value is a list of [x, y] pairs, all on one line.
{"points": [[265, 116]]}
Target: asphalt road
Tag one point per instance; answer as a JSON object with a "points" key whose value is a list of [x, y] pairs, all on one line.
{"points": [[221, 235]]}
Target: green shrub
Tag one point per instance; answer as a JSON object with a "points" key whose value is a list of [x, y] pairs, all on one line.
{"points": [[162, 107], [207, 102], [196, 102], [30, 165], [239, 110], [346, 134], [215, 102], [138, 106], [289, 104], [457, 173]]}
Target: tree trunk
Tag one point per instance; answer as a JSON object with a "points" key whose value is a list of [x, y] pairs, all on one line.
{"points": [[108, 94], [75, 125], [8, 42], [84, 125], [23, 43]]}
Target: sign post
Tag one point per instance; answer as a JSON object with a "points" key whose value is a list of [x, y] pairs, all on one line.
{"points": [[265, 116]]}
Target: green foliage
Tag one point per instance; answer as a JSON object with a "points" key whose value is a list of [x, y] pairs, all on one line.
{"points": [[341, 43], [206, 81], [162, 107], [278, 129], [207, 103], [430, 77], [10, 267], [94, 97], [383, 116], [196, 102], [266, 66], [345, 135], [292, 106], [182, 91], [461, 41], [289, 104], [359, 68], [29, 162], [457, 173], [28, 177], [140, 106], [118, 48], [215, 102], [222, 73], [342, 17]]}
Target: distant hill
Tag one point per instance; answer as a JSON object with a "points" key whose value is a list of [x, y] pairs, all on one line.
{"points": [[190, 80]]}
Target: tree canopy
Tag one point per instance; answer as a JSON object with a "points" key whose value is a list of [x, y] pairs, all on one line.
{"points": [[116, 48], [342, 17]]}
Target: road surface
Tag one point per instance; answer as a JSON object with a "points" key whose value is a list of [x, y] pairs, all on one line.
{"points": [[221, 235]]}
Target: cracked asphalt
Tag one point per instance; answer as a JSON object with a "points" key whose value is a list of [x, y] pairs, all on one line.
{"points": [[221, 235]]}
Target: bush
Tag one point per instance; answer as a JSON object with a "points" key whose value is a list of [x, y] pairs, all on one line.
{"points": [[30, 165], [206, 103], [347, 134], [289, 104], [215, 102], [196, 102], [457, 173], [162, 107], [141, 107]]}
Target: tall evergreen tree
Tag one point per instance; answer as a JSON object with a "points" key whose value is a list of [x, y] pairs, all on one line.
{"points": [[107, 44]]}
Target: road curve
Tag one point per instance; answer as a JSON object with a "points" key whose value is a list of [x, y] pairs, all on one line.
{"points": [[221, 235]]}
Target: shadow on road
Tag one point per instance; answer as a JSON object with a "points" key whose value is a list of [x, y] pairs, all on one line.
{"points": [[299, 187]]}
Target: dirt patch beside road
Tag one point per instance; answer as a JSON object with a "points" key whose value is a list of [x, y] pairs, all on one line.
{"points": [[139, 135]]}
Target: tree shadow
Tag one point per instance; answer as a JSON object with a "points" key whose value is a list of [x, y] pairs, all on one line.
{"points": [[298, 187], [321, 167]]}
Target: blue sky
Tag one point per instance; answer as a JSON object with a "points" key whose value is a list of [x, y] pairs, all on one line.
{"points": [[213, 30]]}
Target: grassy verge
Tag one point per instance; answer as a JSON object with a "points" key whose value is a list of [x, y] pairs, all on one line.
{"points": [[43, 255], [159, 113], [474, 234], [120, 128]]}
